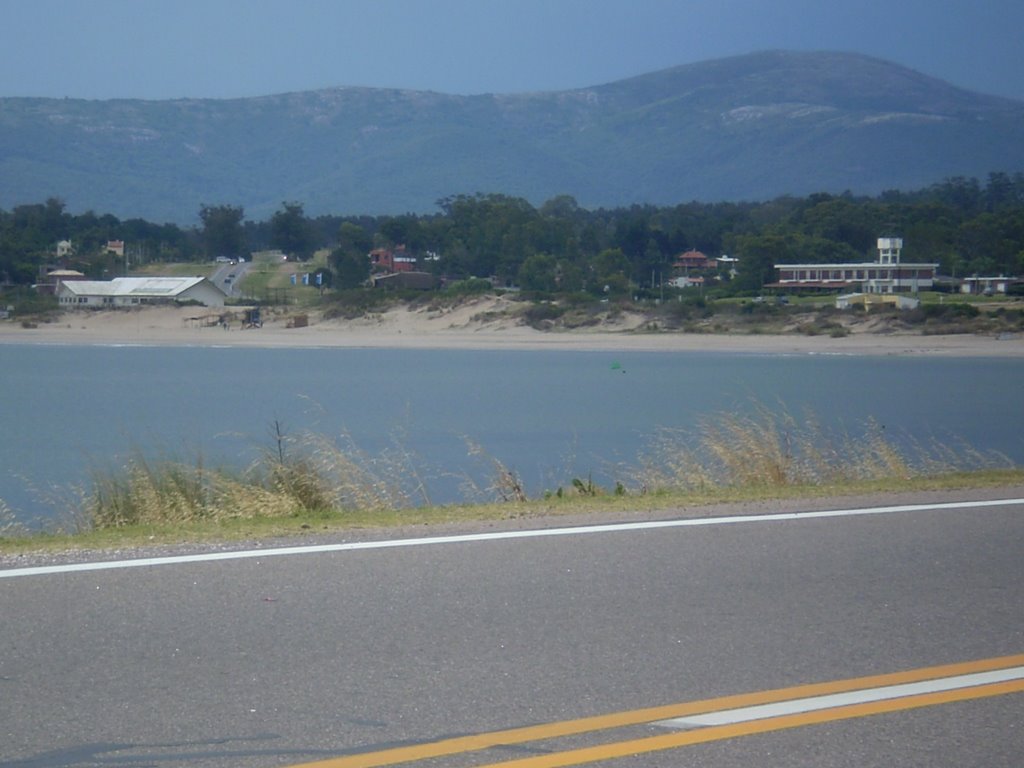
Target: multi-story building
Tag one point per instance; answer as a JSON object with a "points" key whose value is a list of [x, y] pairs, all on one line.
{"points": [[887, 275]]}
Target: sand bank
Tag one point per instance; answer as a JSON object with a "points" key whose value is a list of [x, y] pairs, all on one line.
{"points": [[463, 328]]}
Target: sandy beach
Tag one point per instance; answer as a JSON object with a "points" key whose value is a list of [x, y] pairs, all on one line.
{"points": [[466, 327]]}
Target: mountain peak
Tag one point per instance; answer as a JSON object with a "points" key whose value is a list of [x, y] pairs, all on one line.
{"points": [[745, 127]]}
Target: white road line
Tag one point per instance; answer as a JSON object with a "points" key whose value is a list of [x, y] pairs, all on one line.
{"points": [[830, 701], [494, 536]]}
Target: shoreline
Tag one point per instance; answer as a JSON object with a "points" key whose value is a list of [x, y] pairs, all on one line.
{"points": [[462, 329]]}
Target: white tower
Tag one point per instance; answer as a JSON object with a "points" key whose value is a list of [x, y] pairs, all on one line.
{"points": [[889, 250]]}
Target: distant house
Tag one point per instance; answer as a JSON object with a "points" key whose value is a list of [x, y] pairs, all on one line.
{"points": [[51, 285], [115, 247], [391, 261], [64, 249], [887, 275], [693, 259], [728, 265], [137, 291], [987, 286]]}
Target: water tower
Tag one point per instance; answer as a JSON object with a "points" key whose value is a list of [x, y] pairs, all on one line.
{"points": [[889, 250]]}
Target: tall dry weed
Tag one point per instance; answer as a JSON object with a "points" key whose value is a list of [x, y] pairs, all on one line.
{"points": [[502, 483], [308, 472], [321, 474], [148, 492], [774, 448], [9, 523]]}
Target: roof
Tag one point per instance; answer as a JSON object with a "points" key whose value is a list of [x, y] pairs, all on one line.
{"points": [[694, 259], [134, 286], [829, 284]]}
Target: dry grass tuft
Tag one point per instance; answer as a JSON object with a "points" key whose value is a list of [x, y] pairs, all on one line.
{"points": [[772, 448], [9, 524], [302, 474], [309, 474], [504, 484]]}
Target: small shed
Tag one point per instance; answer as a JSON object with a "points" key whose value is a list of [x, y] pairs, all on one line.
{"points": [[868, 300], [419, 281]]}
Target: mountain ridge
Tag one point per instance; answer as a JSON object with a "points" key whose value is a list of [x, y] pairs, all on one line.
{"points": [[740, 128]]}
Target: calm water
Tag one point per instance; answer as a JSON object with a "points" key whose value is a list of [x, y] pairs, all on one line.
{"points": [[549, 415]]}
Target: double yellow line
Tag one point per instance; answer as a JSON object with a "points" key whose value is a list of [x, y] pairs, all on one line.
{"points": [[675, 739]]}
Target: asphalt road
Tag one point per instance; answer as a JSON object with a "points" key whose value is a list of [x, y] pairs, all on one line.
{"points": [[278, 660], [228, 276]]}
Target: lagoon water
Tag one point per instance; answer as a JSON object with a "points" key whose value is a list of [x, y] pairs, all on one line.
{"points": [[548, 415]]}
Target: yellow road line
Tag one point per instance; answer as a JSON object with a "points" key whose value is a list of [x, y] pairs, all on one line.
{"points": [[475, 742], [721, 732]]}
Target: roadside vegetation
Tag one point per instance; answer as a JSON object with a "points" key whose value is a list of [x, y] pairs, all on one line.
{"points": [[309, 482]]}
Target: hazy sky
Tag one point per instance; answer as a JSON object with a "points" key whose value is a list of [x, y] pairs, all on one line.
{"points": [[161, 49]]}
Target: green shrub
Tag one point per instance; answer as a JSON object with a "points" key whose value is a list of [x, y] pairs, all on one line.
{"points": [[26, 302], [471, 285], [949, 310], [358, 302], [542, 315]]}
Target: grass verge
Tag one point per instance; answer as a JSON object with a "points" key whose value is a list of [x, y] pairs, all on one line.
{"points": [[307, 483], [305, 524]]}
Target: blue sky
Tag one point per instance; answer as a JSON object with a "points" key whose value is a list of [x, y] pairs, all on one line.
{"points": [[161, 49]]}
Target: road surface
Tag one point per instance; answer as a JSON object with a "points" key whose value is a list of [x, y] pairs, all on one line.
{"points": [[380, 653], [227, 277]]}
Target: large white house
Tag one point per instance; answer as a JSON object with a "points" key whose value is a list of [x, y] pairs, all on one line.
{"points": [[137, 291], [887, 275]]}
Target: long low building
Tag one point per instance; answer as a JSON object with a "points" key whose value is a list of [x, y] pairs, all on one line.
{"points": [[887, 275], [869, 278], [137, 291]]}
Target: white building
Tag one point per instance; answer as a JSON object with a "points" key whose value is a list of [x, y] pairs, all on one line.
{"points": [[686, 282], [887, 275], [137, 291], [987, 286]]}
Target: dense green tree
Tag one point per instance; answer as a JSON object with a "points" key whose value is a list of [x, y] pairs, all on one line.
{"points": [[539, 272], [351, 268], [291, 233], [841, 220], [758, 256], [633, 232], [608, 273], [222, 230], [402, 230], [563, 207], [350, 260], [354, 239], [494, 231]]}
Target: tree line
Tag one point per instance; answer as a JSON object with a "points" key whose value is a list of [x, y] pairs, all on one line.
{"points": [[969, 227]]}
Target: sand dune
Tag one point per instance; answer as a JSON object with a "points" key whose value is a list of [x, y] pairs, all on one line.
{"points": [[474, 325]]}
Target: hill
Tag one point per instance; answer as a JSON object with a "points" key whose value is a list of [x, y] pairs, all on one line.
{"points": [[743, 128]]}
